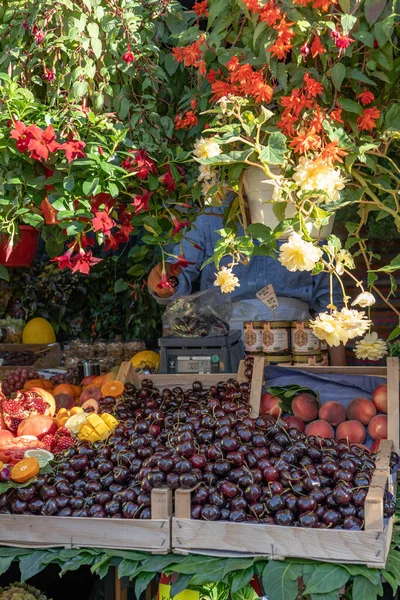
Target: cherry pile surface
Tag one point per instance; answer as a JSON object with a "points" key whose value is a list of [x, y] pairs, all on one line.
{"points": [[241, 468]]}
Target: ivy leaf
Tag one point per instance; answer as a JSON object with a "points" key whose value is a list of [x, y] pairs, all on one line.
{"points": [[327, 578], [371, 278], [363, 589], [280, 580], [393, 266], [337, 74], [31, 564], [274, 152], [350, 106], [4, 274]]}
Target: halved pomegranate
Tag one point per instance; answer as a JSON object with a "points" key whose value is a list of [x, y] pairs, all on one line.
{"points": [[13, 450], [26, 403]]}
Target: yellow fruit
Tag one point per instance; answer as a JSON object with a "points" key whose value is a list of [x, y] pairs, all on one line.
{"points": [[146, 358], [109, 420], [38, 331], [75, 422], [62, 413], [75, 410], [94, 437], [94, 420], [85, 431]]}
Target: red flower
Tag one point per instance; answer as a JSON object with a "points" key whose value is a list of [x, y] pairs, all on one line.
{"points": [[368, 119], [103, 222], [317, 47], [42, 143], [164, 282], [200, 8], [189, 55], [21, 134], [48, 75], [142, 162], [336, 115], [128, 57], [125, 230], [211, 76], [366, 97], [305, 142], [83, 261], [313, 88], [182, 262], [341, 41], [324, 5], [305, 50], [221, 89], [186, 120], [73, 149], [168, 180], [333, 153], [64, 261], [178, 225], [39, 36], [141, 202], [101, 198]]}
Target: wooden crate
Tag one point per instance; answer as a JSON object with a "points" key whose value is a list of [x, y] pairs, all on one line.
{"points": [[222, 538], [154, 535], [46, 356]]}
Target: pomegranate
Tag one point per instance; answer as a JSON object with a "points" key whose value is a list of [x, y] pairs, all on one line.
{"points": [[37, 425], [25, 404], [13, 449]]}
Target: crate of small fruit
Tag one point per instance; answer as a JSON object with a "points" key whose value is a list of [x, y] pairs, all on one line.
{"points": [[294, 485]]}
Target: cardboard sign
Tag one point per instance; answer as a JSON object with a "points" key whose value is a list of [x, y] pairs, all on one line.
{"points": [[164, 593], [268, 297]]}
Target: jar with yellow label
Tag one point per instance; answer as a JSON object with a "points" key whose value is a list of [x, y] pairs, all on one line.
{"points": [[276, 360], [303, 339], [253, 336], [301, 360], [276, 337]]}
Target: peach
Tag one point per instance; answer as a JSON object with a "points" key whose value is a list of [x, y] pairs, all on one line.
{"points": [[88, 380], [377, 427], [92, 404], [295, 423], [305, 406], [333, 412], [91, 392], [379, 398], [320, 428], [38, 425], [64, 401], [270, 405], [353, 430], [361, 409]]}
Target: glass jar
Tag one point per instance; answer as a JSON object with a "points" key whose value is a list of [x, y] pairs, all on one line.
{"points": [[303, 339], [276, 337]]}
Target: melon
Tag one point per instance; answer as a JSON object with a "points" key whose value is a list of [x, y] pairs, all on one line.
{"points": [[38, 331]]}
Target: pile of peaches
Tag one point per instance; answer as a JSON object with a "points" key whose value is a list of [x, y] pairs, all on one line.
{"points": [[332, 420]]}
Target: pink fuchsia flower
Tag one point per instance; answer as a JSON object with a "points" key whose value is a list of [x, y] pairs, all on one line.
{"points": [[128, 57], [48, 75], [341, 41], [182, 262], [42, 142], [38, 34], [64, 261], [83, 261], [103, 222], [168, 180], [141, 202], [73, 149], [305, 50], [178, 225], [21, 135]]}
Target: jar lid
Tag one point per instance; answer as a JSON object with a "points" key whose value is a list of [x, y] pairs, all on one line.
{"points": [[303, 358], [274, 324], [297, 323], [277, 358]]}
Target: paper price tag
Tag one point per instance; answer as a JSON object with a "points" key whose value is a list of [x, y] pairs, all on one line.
{"points": [[164, 593], [268, 297]]}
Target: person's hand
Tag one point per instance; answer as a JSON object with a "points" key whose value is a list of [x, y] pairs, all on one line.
{"points": [[155, 278]]}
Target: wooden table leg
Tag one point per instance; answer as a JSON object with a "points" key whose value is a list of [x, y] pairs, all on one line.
{"points": [[119, 593]]}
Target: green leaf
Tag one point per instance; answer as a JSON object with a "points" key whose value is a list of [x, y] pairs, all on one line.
{"points": [[31, 564], [392, 117], [180, 584], [365, 37], [76, 562], [350, 106], [69, 183], [93, 30], [371, 278], [274, 152], [241, 579], [168, 125], [101, 566], [120, 286], [53, 247], [372, 574], [123, 108], [327, 578], [113, 189], [280, 580], [79, 89], [127, 568], [5, 563], [261, 232], [97, 47], [229, 158], [136, 271], [89, 186], [348, 22], [170, 63], [363, 589], [337, 74], [393, 266], [329, 596], [142, 581], [4, 274], [373, 9], [394, 334], [359, 76]]}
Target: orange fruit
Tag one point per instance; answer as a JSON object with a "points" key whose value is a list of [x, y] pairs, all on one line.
{"points": [[1, 465], [25, 469], [115, 389], [99, 380], [64, 388], [48, 385], [78, 391], [34, 383]]}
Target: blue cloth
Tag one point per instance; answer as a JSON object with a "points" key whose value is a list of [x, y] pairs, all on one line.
{"points": [[261, 270]]}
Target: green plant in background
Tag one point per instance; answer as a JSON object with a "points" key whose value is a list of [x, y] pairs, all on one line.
{"points": [[21, 591]]}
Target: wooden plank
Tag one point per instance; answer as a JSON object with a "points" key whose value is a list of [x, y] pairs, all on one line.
{"points": [[382, 460], [257, 381], [161, 503], [127, 374], [393, 401], [120, 593], [183, 504], [240, 375], [185, 381], [368, 371], [374, 511], [273, 541]]}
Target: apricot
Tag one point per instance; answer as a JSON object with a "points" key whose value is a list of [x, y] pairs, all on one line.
{"points": [[352, 430], [333, 412], [377, 427], [361, 409], [305, 406], [379, 398], [270, 405], [295, 423], [91, 391], [320, 428]]}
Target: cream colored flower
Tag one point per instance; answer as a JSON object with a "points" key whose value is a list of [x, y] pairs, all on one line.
{"points": [[206, 148], [205, 173], [354, 323], [364, 299], [327, 327], [299, 255], [227, 280], [371, 347], [317, 175]]}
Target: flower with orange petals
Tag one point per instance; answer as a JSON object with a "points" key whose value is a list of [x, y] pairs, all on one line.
{"points": [[366, 97], [211, 76], [336, 115], [313, 87], [368, 119], [270, 14], [304, 142], [333, 153], [201, 8], [317, 47], [186, 120], [323, 5], [221, 89]]}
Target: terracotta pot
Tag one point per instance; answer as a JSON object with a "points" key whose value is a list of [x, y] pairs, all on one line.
{"points": [[24, 251], [261, 194]]}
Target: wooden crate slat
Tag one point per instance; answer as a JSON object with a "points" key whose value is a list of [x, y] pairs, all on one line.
{"points": [[257, 381], [393, 401]]}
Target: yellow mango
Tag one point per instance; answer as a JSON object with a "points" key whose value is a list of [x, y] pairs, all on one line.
{"points": [[109, 420]]}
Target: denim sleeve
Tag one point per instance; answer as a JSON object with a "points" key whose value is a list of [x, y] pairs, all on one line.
{"points": [[321, 293]]}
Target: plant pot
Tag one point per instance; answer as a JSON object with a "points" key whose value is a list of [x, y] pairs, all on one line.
{"points": [[261, 194], [24, 251]]}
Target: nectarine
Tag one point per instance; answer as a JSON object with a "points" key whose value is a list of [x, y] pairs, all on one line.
{"points": [[295, 423], [91, 404], [353, 430], [379, 398], [333, 412], [88, 380], [320, 428], [361, 409], [377, 427], [92, 391], [305, 407], [270, 405]]}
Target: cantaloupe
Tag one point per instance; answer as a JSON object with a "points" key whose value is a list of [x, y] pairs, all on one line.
{"points": [[38, 331]]}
